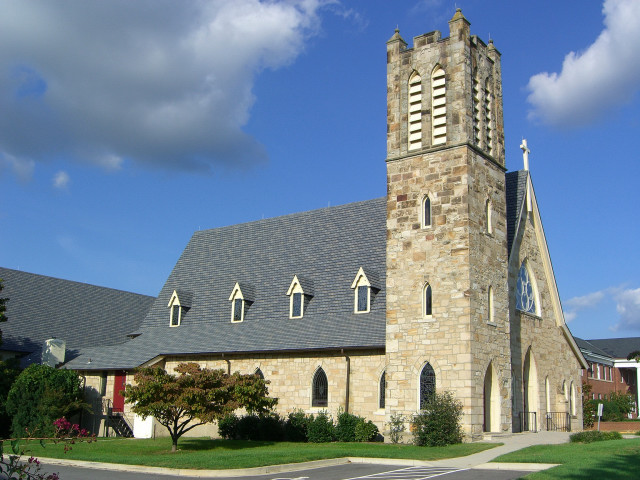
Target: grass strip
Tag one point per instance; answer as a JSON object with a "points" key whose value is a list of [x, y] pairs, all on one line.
{"points": [[201, 453], [611, 460]]}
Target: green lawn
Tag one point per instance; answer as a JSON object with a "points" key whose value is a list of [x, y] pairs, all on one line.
{"points": [[610, 460], [222, 454]]}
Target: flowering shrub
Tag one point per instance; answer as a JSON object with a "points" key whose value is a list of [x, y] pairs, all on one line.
{"points": [[12, 468]]}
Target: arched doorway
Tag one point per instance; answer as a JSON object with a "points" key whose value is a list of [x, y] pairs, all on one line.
{"points": [[530, 393], [491, 401]]}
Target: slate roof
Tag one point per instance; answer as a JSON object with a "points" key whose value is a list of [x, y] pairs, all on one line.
{"points": [[83, 315], [617, 347], [515, 186], [592, 353], [325, 248]]}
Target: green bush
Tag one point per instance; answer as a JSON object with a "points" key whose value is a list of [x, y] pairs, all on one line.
{"points": [[617, 406], [589, 407], [589, 436], [269, 427], [438, 424], [365, 431], [396, 427], [40, 395], [321, 429], [9, 371], [295, 428], [346, 427], [228, 426]]}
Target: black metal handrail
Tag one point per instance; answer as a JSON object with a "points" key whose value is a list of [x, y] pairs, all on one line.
{"points": [[558, 422]]}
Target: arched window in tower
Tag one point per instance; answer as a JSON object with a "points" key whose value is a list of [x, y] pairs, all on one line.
{"points": [[488, 115], [427, 301], [320, 389], [490, 316], [382, 390], [438, 107], [526, 291], [426, 211], [415, 111], [427, 384], [488, 214]]}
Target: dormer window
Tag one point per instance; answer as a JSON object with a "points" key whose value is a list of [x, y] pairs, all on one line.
{"points": [[240, 298], [179, 303], [299, 293], [363, 290]]}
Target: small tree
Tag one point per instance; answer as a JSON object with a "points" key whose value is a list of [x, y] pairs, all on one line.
{"points": [[40, 395], [588, 406], [438, 423], [194, 397]]}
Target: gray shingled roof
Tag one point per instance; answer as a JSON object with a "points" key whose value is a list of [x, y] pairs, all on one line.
{"points": [[325, 248], [592, 353], [617, 347], [83, 315], [515, 186]]}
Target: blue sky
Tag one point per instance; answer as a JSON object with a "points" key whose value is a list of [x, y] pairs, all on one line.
{"points": [[126, 126]]}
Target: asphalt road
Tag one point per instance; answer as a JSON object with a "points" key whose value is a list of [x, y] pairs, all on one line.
{"points": [[351, 471]]}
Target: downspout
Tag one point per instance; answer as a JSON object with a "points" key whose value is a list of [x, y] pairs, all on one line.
{"points": [[346, 393]]}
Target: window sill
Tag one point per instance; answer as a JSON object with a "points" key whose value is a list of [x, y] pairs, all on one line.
{"points": [[492, 324], [428, 319]]}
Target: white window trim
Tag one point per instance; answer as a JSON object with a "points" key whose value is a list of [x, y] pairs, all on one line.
{"points": [[236, 294], [490, 306], [295, 287], [361, 280], [174, 301]]}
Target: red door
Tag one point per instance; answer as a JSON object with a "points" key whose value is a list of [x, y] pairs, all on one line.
{"points": [[118, 386]]}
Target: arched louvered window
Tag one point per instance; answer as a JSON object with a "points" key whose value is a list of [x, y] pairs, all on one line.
{"points": [[427, 301], [383, 390], [427, 384], [426, 211], [477, 110], [320, 389], [438, 107], [415, 111], [488, 115]]}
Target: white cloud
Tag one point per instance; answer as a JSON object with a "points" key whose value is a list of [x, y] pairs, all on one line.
{"points": [[585, 301], [628, 306], [61, 180], [158, 82], [605, 75], [21, 167]]}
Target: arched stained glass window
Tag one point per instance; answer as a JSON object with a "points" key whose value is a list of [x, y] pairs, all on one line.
{"points": [[427, 384], [383, 388], [259, 373], [525, 291], [320, 389]]}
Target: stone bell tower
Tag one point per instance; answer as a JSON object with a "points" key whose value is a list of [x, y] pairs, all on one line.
{"points": [[447, 301]]}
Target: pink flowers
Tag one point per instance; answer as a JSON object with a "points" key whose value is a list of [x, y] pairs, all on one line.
{"points": [[65, 429]]}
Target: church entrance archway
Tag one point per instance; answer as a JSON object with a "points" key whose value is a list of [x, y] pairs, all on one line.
{"points": [[491, 401], [530, 393]]}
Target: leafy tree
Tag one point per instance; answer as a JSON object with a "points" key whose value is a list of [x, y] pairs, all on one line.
{"points": [[589, 407], [40, 395], [438, 423], [635, 355], [3, 309], [9, 371], [194, 397]]}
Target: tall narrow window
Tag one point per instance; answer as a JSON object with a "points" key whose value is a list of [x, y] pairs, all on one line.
{"points": [[427, 384], [383, 388], [426, 211], [175, 315], [438, 107], [296, 305], [320, 389], [427, 301], [490, 316], [526, 292], [488, 208], [415, 111], [363, 299]]}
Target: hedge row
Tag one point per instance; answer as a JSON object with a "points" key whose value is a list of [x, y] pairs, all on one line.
{"points": [[298, 427]]}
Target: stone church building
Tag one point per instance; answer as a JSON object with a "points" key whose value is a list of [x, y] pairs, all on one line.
{"points": [[445, 284]]}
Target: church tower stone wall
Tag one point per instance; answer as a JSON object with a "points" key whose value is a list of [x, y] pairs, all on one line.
{"points": [[446, 226]]}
